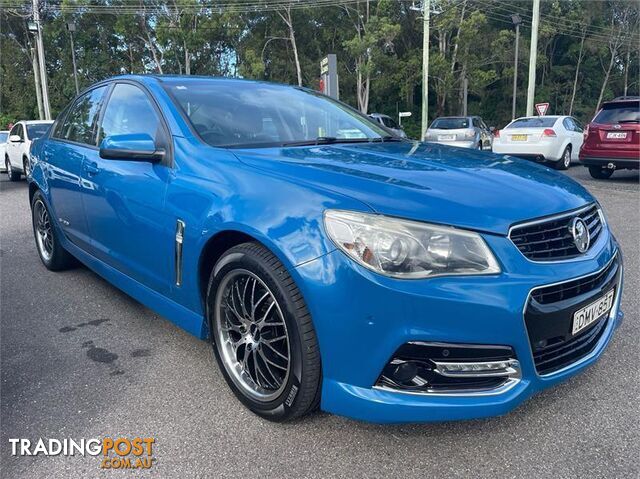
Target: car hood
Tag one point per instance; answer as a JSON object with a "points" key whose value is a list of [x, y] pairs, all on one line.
{"points": [[428, 182]]}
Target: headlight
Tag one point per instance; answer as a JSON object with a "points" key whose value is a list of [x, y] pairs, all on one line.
{"points": [[408, 249]]}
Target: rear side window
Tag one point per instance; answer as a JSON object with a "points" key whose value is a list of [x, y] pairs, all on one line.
{"points": [[623, 112], [37, 130], [534, 122], [450, 123], [389, 123], [129, 111], [79, 124]]}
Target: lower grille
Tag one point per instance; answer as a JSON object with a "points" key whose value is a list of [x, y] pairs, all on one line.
{"points": [[549, 318], [432, 368], [557, 356]]}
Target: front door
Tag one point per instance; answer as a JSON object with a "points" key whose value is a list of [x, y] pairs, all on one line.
{"points": [[125, 210]]}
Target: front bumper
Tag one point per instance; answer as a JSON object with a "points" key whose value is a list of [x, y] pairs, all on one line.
{"points": [[362, 318]]}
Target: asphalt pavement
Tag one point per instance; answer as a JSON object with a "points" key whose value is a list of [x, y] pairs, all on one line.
{"points": [[80, 359]]}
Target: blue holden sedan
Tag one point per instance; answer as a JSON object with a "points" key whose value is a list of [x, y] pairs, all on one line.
{"points": [[329, 264]]}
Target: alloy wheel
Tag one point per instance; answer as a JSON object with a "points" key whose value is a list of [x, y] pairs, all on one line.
{"points": [[44, 232], [567, 158], [252, 335]]}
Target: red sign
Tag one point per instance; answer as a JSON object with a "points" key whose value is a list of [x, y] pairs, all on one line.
{"points": [[542, 108]]}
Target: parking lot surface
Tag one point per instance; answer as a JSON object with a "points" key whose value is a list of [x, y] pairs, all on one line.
{"points": [[80, 359]]}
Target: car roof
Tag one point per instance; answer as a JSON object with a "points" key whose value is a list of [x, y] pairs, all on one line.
{"points": [[157, 78], [35, 122], [379, 115]]}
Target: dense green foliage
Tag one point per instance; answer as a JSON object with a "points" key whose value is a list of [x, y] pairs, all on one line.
{"points": [[378, 43]]}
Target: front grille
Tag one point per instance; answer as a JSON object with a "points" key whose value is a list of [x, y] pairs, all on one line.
{"points": [[549, 318], [550, 240], [571, 289]]}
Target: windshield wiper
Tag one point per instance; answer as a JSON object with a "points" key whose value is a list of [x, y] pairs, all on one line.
{"points": [[629, 121], [327, 140]]}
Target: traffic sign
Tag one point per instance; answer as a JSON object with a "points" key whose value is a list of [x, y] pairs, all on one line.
{"points": [[542, 108]]}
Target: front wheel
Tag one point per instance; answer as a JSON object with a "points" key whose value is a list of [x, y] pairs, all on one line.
{"points": [[262, 334], [51, 252], [600, 173]]}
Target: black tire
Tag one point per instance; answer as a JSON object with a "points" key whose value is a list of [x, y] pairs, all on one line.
{"points": [[13, 174], [565, 160], [299, 392], [600, 173], [58, 259]]}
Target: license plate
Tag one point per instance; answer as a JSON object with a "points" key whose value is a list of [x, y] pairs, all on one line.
{"points": [[618, 135], [591, 313], [518, 137], [446, 137]]}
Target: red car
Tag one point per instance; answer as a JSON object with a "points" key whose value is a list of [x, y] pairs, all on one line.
{"points": [[612, 139]]}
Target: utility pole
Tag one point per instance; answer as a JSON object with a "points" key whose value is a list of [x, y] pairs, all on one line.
{"points": [[516, 21], [71, 27], [465, 93], [43, 69], [426, 8], [531, 87], [36, 76]]}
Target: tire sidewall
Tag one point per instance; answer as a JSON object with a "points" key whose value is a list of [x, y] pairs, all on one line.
{"points": [[280, 407], [49, 263]]}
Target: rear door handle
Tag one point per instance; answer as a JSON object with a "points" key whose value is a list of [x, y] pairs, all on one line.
{"points": [[91, 168]]}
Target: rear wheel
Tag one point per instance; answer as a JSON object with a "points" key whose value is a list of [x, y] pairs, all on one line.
{"points": [[13, 174], [25, 166], [51, 252], [600, 173], [565, 160], [263, 338]]}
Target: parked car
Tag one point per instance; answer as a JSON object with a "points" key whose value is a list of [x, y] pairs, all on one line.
{"points": [[612, 139], [379, 278], [389, 123], [4, 136], [16, 155], [461, 131], [551, 139]]}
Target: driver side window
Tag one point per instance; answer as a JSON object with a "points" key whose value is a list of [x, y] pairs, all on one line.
{"points": [[129, 111]]}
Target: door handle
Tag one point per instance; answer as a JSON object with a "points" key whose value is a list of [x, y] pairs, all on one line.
{"points": [[91, 168]]}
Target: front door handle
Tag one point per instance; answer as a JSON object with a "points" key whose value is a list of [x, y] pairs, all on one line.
{"points": [[91, 168]]}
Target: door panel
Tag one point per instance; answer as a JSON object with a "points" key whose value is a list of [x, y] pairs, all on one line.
{"points": [[65, 154], [124, 204]]}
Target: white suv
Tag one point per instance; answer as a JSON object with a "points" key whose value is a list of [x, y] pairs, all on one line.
{"points": [[16, 155]]}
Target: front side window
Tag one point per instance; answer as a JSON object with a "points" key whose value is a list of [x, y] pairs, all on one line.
{"points": [[129, 111], [17, 130], [238, 114], [390, 123], [79, 124]]}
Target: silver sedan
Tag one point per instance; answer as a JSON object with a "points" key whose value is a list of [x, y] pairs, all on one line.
{"points": [[461, 131]]}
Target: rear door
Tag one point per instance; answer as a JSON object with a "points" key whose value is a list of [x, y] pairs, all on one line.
{"points": [[72, 140], [577, 136], [129, 227], [14, 147]]}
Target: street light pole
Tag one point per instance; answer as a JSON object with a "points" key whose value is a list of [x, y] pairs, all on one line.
{"points": [[41, 62], [71, 27], [516, 21], [533, 53], [426, 8]]}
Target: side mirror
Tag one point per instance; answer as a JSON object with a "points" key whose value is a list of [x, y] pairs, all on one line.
{"points": [[15, 139], [131, 147]]}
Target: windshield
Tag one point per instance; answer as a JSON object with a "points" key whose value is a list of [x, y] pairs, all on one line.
{"points": [[535, 122], [228, 113], [3, 136], [619, 113], [37, 130], [450, 123]]}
